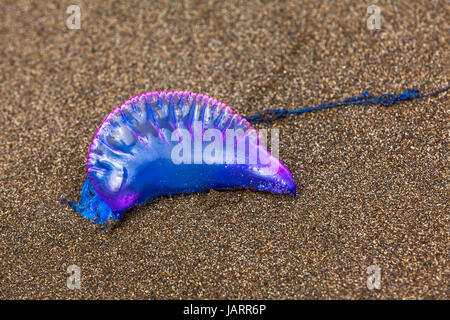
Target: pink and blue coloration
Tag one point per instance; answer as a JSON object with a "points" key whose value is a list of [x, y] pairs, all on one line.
{"points": [[160, 143]]}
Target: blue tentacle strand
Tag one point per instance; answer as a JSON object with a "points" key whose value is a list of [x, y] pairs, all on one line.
{"points": [[92, 206], [365, 98]]}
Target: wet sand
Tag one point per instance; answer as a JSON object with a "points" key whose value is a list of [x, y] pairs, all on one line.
{"points": [[372, 181]]}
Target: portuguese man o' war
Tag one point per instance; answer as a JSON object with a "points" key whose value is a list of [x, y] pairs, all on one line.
{"points": [[163, 143]]}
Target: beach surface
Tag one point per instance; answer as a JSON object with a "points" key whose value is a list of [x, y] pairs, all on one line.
{"points": [[372, 182]]}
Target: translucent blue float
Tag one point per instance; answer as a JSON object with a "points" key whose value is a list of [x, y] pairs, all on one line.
{"points": [[162, 143]]}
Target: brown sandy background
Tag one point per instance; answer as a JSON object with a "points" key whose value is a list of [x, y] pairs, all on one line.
{"points": [[372, 181]]}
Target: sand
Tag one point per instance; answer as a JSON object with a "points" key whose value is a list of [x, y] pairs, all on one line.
{"points": [[372, 181]]}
